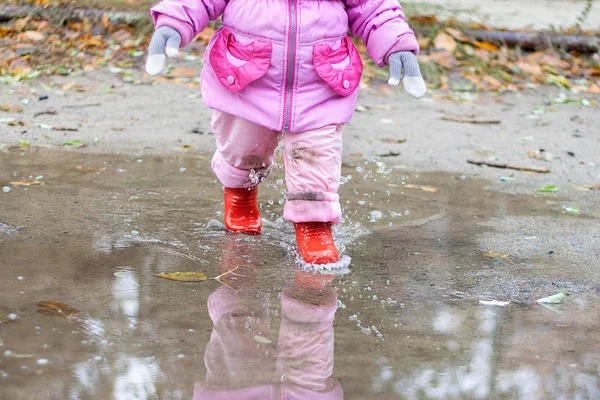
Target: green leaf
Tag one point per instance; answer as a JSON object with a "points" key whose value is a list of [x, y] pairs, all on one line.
{"points": [[556, 299], [74, 143], [548, 189], [571, 210], [24, 143], [16, 355]]}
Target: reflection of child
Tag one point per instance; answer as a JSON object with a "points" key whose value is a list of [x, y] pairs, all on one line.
{"points": [[242, 362], [286, 66]]}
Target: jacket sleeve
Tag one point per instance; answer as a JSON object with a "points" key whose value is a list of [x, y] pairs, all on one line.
{"points": [[382, 26], [188, 17]]}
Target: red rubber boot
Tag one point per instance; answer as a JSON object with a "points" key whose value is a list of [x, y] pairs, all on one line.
{"points": [[315, 242], [241, 211]]}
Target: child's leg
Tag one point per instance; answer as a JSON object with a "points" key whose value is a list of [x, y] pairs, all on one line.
{"points": [[245, 151], [243, 159], [313, 166]]}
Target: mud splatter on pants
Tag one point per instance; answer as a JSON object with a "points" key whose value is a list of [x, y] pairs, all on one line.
{"points": [[312, 159]]}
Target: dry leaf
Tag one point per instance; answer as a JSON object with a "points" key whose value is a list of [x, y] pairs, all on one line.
{"points": [[183, 276], [486, 46], [429, 189], [26, 183], [56, 307], [184, 72], [493, 254], [11, 108], [444, 41]]}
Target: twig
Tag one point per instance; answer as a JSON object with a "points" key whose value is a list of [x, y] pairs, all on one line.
{"points": [[508, 166], [51, 111], [225, 273], [470, 120], [83, 105]]}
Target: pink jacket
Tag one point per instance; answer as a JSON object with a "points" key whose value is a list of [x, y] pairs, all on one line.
{"points": [[288, 64], [296, 366]]}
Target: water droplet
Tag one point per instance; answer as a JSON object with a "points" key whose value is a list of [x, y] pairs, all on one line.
{"points": [[42, 361], [12, 316], [182, 169], [366, 331], [6, 189]]}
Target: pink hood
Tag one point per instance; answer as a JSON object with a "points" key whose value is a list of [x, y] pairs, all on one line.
{"points": [[287, 64]]}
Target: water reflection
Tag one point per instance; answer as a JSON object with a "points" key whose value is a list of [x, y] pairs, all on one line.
{"points": [[250, 357]]}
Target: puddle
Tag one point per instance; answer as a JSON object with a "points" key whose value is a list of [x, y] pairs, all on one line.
{"points": [[408, 324]]}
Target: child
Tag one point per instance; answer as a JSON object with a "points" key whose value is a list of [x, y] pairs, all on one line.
{"points": [[286, 66]]}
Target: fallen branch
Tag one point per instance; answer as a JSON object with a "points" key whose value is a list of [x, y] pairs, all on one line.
{"points": [[508, 166], [62, 14], [537, 41], [470, 120]]}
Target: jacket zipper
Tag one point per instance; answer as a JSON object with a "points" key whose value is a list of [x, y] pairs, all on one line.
{"points": [[277, 392], [291, 64]]}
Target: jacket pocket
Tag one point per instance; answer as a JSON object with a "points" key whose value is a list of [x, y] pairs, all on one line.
{"points": [[340, 68], [236, 65]]}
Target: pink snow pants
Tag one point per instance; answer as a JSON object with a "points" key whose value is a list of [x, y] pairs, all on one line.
{"points": [[312, 159]]}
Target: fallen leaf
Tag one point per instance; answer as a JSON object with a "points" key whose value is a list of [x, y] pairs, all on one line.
{"points": [[393, 141], [548, 189], [388, 154], [56, 307], [445, 41], [74, 143], [429, 189], [556, 299], [183, 276], [26, 183], [493, 254], [571, 210], [18, 356], [494, 303], [184, 72], [33, 36], [11, 108], [85, 168], [486, 46]]}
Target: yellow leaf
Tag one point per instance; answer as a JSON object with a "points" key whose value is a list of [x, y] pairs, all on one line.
{"points": [[183, 276], [57, 307], [26, 183], [487, 46]]}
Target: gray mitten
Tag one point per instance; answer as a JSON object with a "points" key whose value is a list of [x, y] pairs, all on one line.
{"points": [[412, 81], [165, 40]]}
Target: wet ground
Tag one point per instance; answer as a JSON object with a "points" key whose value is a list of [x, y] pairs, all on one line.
{"points": [[408, 322]]}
